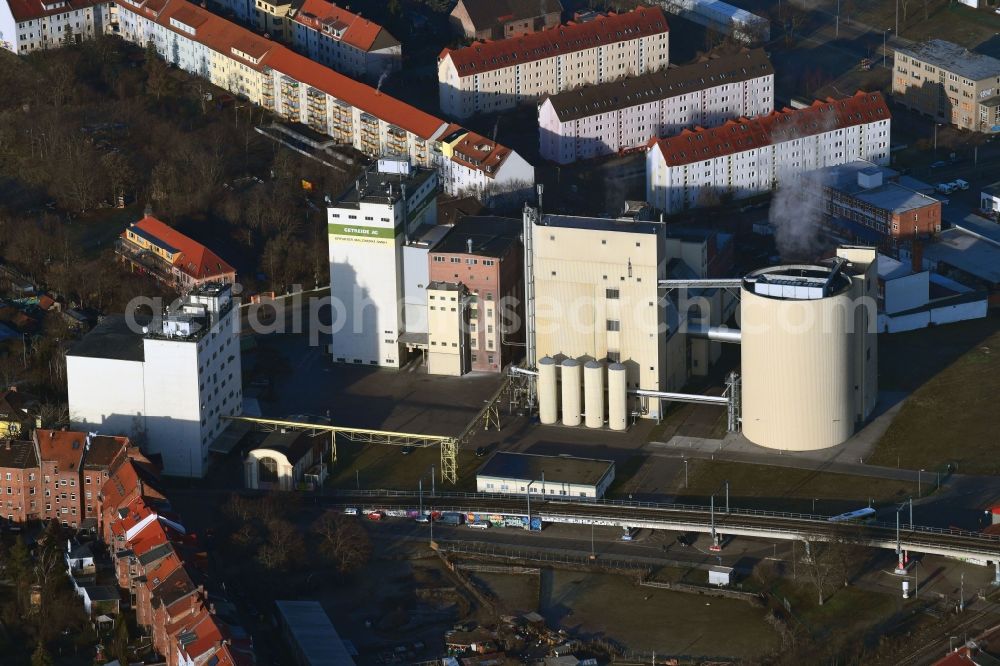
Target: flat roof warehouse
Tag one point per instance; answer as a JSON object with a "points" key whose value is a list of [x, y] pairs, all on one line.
{"points": [[556, 469]]}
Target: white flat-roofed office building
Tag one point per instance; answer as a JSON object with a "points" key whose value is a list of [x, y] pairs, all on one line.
{"points": [[950, 83], [169, 386], [368, 227], [620, 115], [559, 477]]}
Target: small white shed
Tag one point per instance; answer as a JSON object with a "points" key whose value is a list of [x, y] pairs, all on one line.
{"points": [[720, 576]]}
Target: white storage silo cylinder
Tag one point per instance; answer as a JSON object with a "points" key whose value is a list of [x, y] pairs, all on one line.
{"points": [[593, 394], [797, 365], [617, 397], [571, 389], [548, 408]]}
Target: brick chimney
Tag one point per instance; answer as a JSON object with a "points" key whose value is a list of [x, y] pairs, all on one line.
{"points": [[917, 255]]}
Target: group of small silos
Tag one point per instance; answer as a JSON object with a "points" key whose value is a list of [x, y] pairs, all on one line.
{"points": [[582, 391]]}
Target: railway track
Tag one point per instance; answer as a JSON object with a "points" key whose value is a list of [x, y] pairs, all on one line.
{"points": [[977, 547]]}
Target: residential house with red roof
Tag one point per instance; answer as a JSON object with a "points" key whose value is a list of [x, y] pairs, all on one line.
{"points": [[751, 156], [344, 41], [502, 19], [495, 75], [477, 166], [35, 25], [152, 247]]}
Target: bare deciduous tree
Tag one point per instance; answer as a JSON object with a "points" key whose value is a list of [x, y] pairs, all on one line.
{"points": [[343, 542]]}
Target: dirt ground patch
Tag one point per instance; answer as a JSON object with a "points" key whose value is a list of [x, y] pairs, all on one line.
{"points": [[614, 607]]}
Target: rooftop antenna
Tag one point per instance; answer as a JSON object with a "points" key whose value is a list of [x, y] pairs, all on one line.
{"points": [[540, 188]]}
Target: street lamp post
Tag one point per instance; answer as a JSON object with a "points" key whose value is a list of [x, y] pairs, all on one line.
{"points": [[961, 598], [433, 492], [884, 51], [814, 505], [920, 478], [420, 487], [685, 473], [727, 496], [838, 20], [911, 513]]}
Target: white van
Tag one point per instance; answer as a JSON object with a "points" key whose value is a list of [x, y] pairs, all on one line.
{"points": [[479, 525], [945, 188]]}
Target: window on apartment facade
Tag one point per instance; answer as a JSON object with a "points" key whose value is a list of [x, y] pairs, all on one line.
{"points": [[613, 325]]}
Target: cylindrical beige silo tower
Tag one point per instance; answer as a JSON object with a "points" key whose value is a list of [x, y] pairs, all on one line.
{"points": [[548, 399], [593, 394], [617, 397], [571, 392], [797, 358]]}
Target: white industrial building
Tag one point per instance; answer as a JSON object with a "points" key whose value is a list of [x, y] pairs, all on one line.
{"points": [[911, 297], [621, 115], [724, 18], [746, 157], [550, 476], [168, 384], [597, 297], [35, 25], [495, 75], [368, 229], [448, 350]]}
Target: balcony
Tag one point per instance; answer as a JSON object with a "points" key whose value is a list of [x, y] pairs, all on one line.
{"points": [[145, 262]]}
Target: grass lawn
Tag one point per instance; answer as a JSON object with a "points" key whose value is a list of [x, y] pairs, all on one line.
{"points": [[846, 609], [952, 418], [956, 23], [787, 489]]}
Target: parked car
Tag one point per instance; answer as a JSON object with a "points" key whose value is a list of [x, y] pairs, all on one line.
{"points": [[376, 515], [483, 450], [945, 188], [406, 450], [938, 164], [479, 525], [960, 184], [423, 518], [350, 511]]}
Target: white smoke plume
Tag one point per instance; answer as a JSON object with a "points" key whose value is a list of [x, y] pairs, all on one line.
{"points": [[796, 212], [796, 215]]}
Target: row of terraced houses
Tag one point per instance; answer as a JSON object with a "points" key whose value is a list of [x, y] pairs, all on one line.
{"points": [[105, 486], [275, 77]]}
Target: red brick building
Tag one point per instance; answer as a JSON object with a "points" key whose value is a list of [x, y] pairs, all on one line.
{"points": [[485, 255], [19, 485]]}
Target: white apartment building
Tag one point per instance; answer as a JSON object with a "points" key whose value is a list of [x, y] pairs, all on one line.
{"points": [[167, 385], [34, 25], [344, 41], [368, 228], [622, 115], [293, 86], [597, 297], [496, 75], [750, 156]]}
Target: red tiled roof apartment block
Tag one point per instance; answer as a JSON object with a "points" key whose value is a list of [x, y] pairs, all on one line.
{"points": [[338, 38], [502, 19], [34, 25], [152, 247], [495, 75], [750, 156], [282, 81]]}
